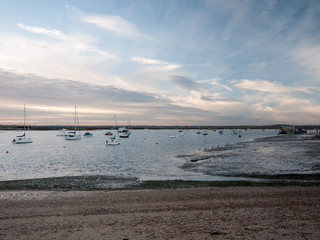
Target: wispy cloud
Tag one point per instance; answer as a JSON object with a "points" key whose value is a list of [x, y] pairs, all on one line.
{"points": [[77, 42], [49, 32], [308, 57], [115, 24], [272, 87], [143, 60], [216, 82], [185, 83], [158, 64]]}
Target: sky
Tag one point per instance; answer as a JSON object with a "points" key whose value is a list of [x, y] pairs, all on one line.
{"points": [[160, 62]]}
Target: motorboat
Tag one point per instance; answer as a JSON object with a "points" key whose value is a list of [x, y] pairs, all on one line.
{"points": [[123, 132], [87, 134]]}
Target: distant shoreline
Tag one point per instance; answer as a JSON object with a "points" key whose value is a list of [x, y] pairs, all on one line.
{"points": [[153, 127]]}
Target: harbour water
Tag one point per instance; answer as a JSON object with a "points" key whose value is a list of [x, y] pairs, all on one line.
{"points": [[146, 155]]}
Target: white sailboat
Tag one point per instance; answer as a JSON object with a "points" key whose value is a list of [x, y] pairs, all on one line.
{"points": [[21, 139], [74, 135], [114, 139]]}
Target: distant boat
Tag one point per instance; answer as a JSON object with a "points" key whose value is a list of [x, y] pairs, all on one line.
{"points": [[21, 139], [108, 133], [87, 134], [123, 132], [205, 133], [113, 140], [74, 135], [221, 132], [172, 136], [63, 133]]}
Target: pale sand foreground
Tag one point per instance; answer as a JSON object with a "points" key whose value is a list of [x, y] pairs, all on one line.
{"points": [[193, 213]]}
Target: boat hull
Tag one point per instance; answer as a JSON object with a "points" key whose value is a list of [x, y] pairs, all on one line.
{"points": [[112, 142], [22, 141], [74, 137]]}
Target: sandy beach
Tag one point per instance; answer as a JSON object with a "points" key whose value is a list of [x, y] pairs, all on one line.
{"points": [[291, 212]]}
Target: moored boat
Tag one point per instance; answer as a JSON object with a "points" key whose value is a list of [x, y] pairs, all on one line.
{"points": [[87, 134], [113, 140], [74, 135], [21, 139]]}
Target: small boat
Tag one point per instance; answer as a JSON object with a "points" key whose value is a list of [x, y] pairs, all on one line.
{"points": [[113, 140], [108, 133], [205, 133], [63, 133], [21, 139], [87, 134], [73, 135], [220, 132], [123, 132], [172, 136]]}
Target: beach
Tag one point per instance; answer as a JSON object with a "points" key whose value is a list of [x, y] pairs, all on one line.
{"points": [[287, 212]]}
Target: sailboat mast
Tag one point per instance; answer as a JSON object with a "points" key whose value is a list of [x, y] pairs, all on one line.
{"points": [[115, 120], [24, 118], [75, 118]]}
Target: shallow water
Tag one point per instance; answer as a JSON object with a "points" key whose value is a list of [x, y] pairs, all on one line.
{"points": [[280, 157], [145, 155]]}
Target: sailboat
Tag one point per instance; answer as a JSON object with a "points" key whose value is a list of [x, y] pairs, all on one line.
{"points": [[73, 135], [114, 139], [21, 139]]}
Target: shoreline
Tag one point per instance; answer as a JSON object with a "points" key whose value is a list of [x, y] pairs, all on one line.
{"points": [[287, 212], [99, 183]]}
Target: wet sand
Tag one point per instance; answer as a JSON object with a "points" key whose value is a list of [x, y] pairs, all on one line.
{"points": [[291, 212]]}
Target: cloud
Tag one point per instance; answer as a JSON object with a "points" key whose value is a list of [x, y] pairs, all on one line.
{"points": [[78, 42], [57, 91], [52, 33], [115, 24], [51, 101], [219, 99], [185, 83], [215, 82], [308, 57], [70, 58], [272, 86], [148, 61], [158, 65]]}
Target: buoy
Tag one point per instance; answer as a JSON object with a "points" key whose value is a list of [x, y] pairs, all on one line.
{"points": [[181, 147], [64, 146], [156, 143], [7, 151]]}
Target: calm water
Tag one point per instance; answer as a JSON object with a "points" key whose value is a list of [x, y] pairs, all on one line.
{"points": [[146, 155]]}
